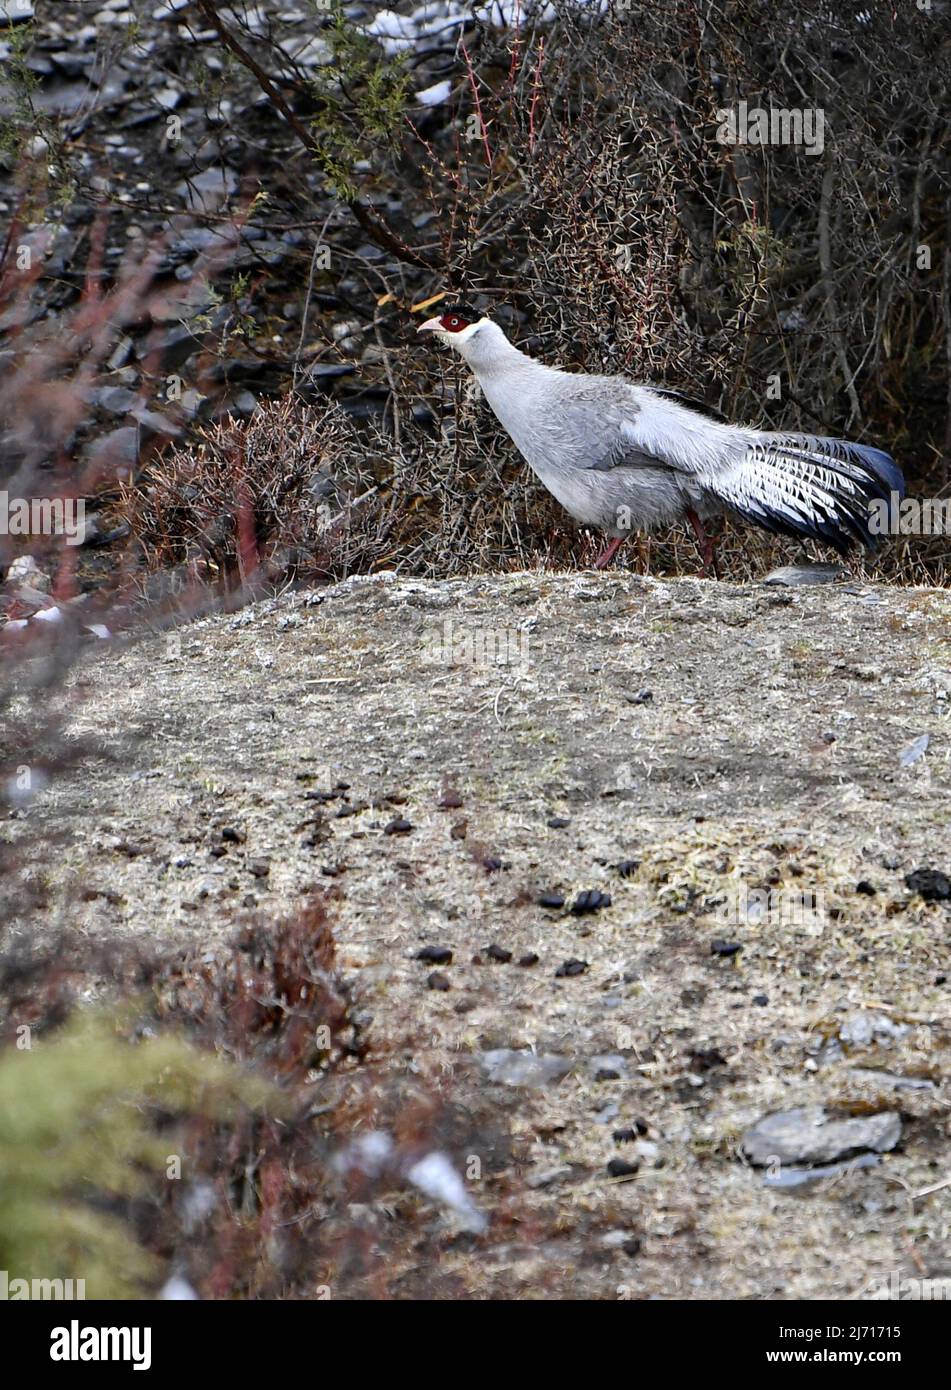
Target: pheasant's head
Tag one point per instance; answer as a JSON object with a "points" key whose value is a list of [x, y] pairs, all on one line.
{"points": [[456, 325]]}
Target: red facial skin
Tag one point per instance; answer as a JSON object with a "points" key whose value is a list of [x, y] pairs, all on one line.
{"points": [[454, 323]]}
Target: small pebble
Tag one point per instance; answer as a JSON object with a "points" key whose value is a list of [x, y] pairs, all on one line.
{"points": [[628, 867], [558, 822], [399, 826], [437, 980], [498, 953], [724, 948], [553, 900]]}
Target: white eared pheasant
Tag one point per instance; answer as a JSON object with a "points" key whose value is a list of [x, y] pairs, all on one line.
{"points": [[621, 457]]}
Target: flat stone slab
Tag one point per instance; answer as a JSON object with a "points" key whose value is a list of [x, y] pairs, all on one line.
{"points": [[811, 1135]]}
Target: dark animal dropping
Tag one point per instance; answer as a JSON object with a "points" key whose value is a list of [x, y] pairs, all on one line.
{"points": [[637, 1130], [435, 955], [591, 900], [620, 1168], [725, 948], [930, 884], [571, 967]]}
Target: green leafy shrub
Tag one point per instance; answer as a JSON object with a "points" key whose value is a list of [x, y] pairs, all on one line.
{"points": [[77, 1131]]}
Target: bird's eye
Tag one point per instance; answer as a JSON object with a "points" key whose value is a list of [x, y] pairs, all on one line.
{"points": [[453, 323]]}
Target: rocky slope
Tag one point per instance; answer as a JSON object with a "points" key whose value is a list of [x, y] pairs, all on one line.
{"points": [[584, 789]]}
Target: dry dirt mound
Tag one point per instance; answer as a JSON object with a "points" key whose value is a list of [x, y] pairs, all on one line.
{"points": [[665, 831]]}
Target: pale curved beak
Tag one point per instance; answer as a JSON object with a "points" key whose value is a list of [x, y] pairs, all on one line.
{"points": [[430, 326]]}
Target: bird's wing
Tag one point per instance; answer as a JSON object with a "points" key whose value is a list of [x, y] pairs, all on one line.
{"points": [[691, 402], [608, 416]]}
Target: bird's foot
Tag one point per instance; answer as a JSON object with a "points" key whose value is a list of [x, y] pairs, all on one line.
{"points": [[609, 552], [706, 545]]}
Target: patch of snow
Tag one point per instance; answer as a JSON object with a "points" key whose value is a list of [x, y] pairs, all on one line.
{"points": [[435, 1177], [435, 95]]}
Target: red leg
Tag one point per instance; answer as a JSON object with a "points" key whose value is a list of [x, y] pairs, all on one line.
{"points": [[705, 544], [609, 552]]}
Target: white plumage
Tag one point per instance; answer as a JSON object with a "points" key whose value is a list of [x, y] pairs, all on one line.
{"points": [[621, 457]]}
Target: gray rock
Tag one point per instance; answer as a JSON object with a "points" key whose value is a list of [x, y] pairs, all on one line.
{"points": [[910, 755], [329, 371], [863, 1027], [120, 354], [243, 403], [116, 400], [167, 97], [15, 12], [790, 1178], [515, 1068], [791, 576], [118, 450], [810, 1135], [25, 571], [153, 422], [209, 190]]}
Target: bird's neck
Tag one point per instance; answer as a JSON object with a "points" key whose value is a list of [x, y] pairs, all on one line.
{"points": [[491, 357]]}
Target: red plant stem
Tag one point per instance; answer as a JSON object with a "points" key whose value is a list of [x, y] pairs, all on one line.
{"points": [[513, 68], [536, 82], [478, 106]]}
